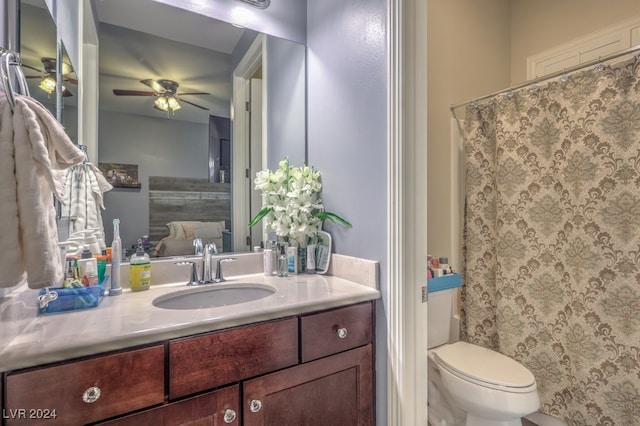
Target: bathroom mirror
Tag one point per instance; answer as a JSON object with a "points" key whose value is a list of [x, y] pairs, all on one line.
{"points": [[39, 53], [150, 41]]}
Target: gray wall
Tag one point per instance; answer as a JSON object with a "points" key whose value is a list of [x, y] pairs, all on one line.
{"points": [[160, 147], [347, 134], [286, 108]]}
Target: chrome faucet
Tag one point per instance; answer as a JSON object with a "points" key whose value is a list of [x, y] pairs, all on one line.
{"points": [[219, 278], [207, 254]]}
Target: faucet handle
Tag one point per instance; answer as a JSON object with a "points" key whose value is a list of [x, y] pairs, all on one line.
{"points": [[193, 275], [219, 278]]}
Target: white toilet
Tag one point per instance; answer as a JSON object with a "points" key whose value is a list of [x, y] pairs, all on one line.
{"points": [[468, 384]]}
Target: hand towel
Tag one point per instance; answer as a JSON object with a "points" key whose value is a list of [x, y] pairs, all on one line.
{"points": [[42, 151], [12, 270]]}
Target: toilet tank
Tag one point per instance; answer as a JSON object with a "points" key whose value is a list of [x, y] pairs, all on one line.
{"points": [[442, 293]]}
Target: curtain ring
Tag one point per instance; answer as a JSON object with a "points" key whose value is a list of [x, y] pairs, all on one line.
{"points": [[600, 66], [565, 77]]}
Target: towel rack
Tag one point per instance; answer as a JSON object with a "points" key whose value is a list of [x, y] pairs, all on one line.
{"points": [[9, 60]]}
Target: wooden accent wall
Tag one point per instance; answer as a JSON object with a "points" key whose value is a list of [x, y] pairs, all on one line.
{"points": [[172, 198]]}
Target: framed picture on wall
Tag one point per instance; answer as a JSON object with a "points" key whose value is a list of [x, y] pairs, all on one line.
{"points": [[121, 175]]}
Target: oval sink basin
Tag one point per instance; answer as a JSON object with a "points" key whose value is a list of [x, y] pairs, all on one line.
{"points": [[213, 296]]}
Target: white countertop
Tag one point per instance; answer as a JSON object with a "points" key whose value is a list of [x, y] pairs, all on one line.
{"points": [[131, 319]]}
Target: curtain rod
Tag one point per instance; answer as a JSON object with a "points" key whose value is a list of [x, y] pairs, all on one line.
{"points": [[552, 75]]}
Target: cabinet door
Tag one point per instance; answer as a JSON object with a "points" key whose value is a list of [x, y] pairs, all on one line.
{"points": [[215, 359], [86, 391], [336, 390], [218, 408]]}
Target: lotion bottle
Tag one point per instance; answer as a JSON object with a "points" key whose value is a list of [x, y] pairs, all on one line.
{"points": [[267, 257]]}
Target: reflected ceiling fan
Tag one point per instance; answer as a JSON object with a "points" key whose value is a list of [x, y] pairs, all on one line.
{"points": [[48, 76], [166, 93]]}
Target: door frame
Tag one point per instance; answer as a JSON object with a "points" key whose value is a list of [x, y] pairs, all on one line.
{"points": [[240, 192], [407, 382]]}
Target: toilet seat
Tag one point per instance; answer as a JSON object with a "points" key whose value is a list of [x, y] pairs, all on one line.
{"points": [[485, 367]]}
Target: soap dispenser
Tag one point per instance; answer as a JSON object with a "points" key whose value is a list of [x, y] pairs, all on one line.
{"points": [[140, 270]]}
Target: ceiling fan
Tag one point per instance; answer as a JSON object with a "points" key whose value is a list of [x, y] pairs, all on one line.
{"points": [[48, 75], [166, 93]]}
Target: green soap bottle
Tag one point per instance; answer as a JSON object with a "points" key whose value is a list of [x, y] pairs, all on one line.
{"points": [[140, 270]]}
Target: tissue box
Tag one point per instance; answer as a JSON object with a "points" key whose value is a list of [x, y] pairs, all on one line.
{"points": [[74, 298]]}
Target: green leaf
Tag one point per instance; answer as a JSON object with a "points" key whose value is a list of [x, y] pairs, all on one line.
{"points": [[333, 218], [261, 214]]}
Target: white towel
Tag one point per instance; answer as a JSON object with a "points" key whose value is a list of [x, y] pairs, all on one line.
{"points": [[83, 197], [41, 150], [11, 262]]}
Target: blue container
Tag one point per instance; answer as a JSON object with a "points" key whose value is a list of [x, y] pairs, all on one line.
{"points": [[444, 282], [73, 298]]}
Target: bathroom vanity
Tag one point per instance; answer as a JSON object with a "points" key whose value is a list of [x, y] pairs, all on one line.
{"points": [[307, 352]]}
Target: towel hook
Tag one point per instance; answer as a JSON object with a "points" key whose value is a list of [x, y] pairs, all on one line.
{"points": [[7, 60]]}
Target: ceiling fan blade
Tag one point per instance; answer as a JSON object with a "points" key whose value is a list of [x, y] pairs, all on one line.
{"points": [[32, 68], [194, 93], [153, 85], [195, 105], [120, 92], [66, 93], [70, 80], [32, 76]]}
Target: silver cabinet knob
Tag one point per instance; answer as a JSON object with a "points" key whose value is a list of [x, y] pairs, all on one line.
{"points": [[229, 415], [255, 405], [342, 332], [91, 395]]}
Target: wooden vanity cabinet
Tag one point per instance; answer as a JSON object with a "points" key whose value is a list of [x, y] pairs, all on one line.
{"points": [[312, 369]]}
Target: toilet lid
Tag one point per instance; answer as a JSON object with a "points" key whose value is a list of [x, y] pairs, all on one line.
{"points": [[485, 367]]}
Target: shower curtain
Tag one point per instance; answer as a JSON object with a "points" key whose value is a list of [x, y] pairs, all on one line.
{"points": [[552, 239]]}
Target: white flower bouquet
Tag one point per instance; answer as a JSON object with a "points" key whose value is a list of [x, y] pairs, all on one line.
{"points": [[291, 202]]}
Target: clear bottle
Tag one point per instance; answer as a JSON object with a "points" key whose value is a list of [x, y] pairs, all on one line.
{"points": [[116, 256], [283, 268], [140, 270]]}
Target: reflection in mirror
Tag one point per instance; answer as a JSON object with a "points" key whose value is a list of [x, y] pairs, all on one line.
{"points": [[39, 52], [177, 154]]}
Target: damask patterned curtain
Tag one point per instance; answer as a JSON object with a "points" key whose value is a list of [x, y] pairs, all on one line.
{"points": [[552, 239]]}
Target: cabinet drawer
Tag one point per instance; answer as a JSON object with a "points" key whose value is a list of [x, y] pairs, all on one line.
{"points": [[335, 331], [221, 407], [86, 391], [215, 359]]}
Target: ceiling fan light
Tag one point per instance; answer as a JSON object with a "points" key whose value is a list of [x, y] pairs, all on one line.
{"points": [[48, 84], [162, 103], [173, 103]]}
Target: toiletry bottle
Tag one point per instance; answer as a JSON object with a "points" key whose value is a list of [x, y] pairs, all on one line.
{"points": [[116, 256], [267, 256], [88, 268], [90, 277], [311, 259], [292, 259], [282, 262], [140, 270]]}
